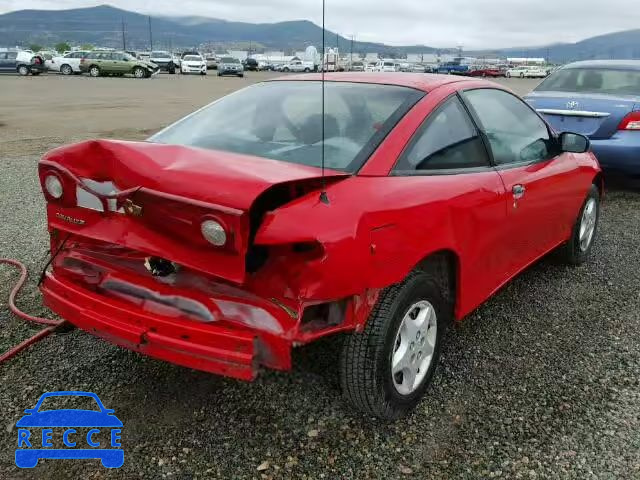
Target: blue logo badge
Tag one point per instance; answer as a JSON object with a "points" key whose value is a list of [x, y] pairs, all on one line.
{"points": [[69, 432]]}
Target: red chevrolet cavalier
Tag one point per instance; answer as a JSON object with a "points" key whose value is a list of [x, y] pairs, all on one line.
{"points": [[220, 244]]}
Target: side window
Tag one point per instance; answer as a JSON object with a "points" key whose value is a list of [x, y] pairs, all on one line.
{"points": [[3, 56], [12, 55], [447, 139], [515, 133]]}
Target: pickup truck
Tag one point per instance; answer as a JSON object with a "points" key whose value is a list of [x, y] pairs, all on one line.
{"points": [[453, 68], [298, 66]]}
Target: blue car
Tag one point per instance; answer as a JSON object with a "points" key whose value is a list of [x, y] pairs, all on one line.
{"points": [[599, 99], [41, 427]]}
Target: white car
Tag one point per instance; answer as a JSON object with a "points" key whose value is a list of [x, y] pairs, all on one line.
{"points": [[193, 64], [526, 72], [298, 66], [386, 66], [370, 67], [68, 63]]}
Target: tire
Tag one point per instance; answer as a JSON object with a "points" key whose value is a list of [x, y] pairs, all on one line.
{"points": [[219, 74], [507, 75], [23, 70], [522, 75], [35, 74], [578, 249], [241, 75], [366, 377], [285, 69], [66, 69], [94, 71], [307, 70], [139, 72]]}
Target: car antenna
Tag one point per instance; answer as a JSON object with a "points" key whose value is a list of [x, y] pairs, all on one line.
{"points": [[323, 194]]}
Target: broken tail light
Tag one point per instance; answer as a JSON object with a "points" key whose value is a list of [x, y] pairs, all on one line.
{"points": [[630, 122]]}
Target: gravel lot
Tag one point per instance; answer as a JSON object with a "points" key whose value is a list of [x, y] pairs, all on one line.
{"points": [[541, 382]]}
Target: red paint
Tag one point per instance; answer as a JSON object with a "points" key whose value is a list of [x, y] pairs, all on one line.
{"points": [[374, 231]]}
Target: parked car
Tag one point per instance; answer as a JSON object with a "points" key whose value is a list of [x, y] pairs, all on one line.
{"points": [[530, 71], [298, 66], [250, 64], [264, 65], [188, 52], [212, 61], [230, 244], [193, 64], [370, 67], [99, 63], [418, 68], [24, 62], [386, 66], [68, 63], [599, 99], [165, 61], [356, 66], [484, 71], [453, 68], [230, 66]]}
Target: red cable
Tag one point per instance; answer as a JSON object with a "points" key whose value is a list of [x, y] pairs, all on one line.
{"points": [[53, 324]]}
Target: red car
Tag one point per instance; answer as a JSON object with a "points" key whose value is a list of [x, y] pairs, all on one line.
{"points": [[220, 244], [486, 72]]}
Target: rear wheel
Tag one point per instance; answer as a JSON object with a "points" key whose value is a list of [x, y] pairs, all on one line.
{"points": [[522, 75], [578, 248], [23, 70], [94, 71], [507, 75], [66, 69], [385, 370]]}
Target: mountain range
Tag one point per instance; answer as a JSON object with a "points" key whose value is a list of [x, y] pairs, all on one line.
{"points": [[104, 25]]}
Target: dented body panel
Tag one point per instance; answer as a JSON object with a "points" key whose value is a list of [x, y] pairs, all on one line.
{"points": [[294, 267]]}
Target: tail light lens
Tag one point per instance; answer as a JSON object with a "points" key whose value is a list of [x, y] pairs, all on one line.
{"points": [[630, 122]]}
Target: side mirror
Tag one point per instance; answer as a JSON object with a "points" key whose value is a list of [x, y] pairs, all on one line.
{"points": [[574, 142]]}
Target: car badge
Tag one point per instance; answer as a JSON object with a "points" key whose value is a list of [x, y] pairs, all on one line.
{"points": [[573, 105]]}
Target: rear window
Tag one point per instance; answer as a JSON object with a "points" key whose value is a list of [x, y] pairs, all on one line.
{"points": [[357, 118], [593, 80], [230, 60], [192, 58]]}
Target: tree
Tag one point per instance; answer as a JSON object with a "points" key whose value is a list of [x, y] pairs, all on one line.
{"points": [[88, 47], [34, 47], [62, 47]]}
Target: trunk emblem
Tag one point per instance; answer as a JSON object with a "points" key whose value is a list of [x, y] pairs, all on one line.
{"points": [[132, 209], [573, 105]]}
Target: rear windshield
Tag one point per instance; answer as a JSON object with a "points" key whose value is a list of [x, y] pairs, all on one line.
{"points": [[593, 80], [283, 121], [230, 60], [160, 55], [192, 58]]}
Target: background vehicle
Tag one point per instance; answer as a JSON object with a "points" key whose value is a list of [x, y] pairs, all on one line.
{"points": [[24, 62], [386, 66], [484, 71], [212, 61], [453, 68], [530, 71], [68, 63], [418, 68], [356, 66], [263, 65], [298, 66], [370, 67], [230, 66], [398, 251], [600, 99], [98, 63], [193, 64], [250, 64], [164, 60]]}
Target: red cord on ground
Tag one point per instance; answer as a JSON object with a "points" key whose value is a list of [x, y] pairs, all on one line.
{"points": [[52, 324]]}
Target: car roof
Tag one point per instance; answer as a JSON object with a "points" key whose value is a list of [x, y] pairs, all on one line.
{"points": [[612, 64], [418, 81]]}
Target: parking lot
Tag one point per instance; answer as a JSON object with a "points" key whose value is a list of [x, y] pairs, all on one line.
{"points": [[541, 382]]}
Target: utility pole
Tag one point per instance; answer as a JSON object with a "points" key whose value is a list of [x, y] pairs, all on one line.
{"points": [[150, 36], [337, 38], [124, 41], [351, 54]]}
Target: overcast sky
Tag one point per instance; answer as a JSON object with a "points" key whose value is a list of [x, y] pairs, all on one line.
{"points": [[446, 23]]}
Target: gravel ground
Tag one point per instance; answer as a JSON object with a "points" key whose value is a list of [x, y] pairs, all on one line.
{"points": [[541, 382]]}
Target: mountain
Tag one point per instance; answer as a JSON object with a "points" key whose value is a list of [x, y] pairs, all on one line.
{"points": [[102, 26]]}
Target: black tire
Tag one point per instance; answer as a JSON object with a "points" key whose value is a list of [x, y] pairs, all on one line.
{"points": [[572, 252], [139, 72], [522, 75], [285, 69], [23, 70], [307, 70], [241, 75], [365, 365], [35, 74], [94, 71], [66, 69], [507, 75]]}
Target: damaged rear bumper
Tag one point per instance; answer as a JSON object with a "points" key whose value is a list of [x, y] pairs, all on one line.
{"points": [[218, 347]]}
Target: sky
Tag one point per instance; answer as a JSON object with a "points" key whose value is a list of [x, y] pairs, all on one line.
{"points": [[472, 24]]}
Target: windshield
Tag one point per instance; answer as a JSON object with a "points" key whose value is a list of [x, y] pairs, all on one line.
{"points": [[192, 58], [60, 402], [593, 80], [283, 121], [230, 60]]}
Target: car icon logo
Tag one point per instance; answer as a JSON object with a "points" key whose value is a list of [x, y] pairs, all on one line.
{"points": [[573, 105], [69, 433]]}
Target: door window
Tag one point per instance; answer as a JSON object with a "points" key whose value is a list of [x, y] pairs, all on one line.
{"points": [[447, 139], [515, 133]]}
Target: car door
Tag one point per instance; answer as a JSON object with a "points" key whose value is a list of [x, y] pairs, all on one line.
{"points": [[538, 178], [446, 173], [3, 62], [10, 62]]}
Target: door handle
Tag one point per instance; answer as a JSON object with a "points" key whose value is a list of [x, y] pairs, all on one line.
{"points": [[518, 191]]}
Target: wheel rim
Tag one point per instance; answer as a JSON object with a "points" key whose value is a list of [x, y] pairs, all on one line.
{"points": [[94, 72], [23, 70], [588, 224], [139, 73], [414, 347], [66, 70]]}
